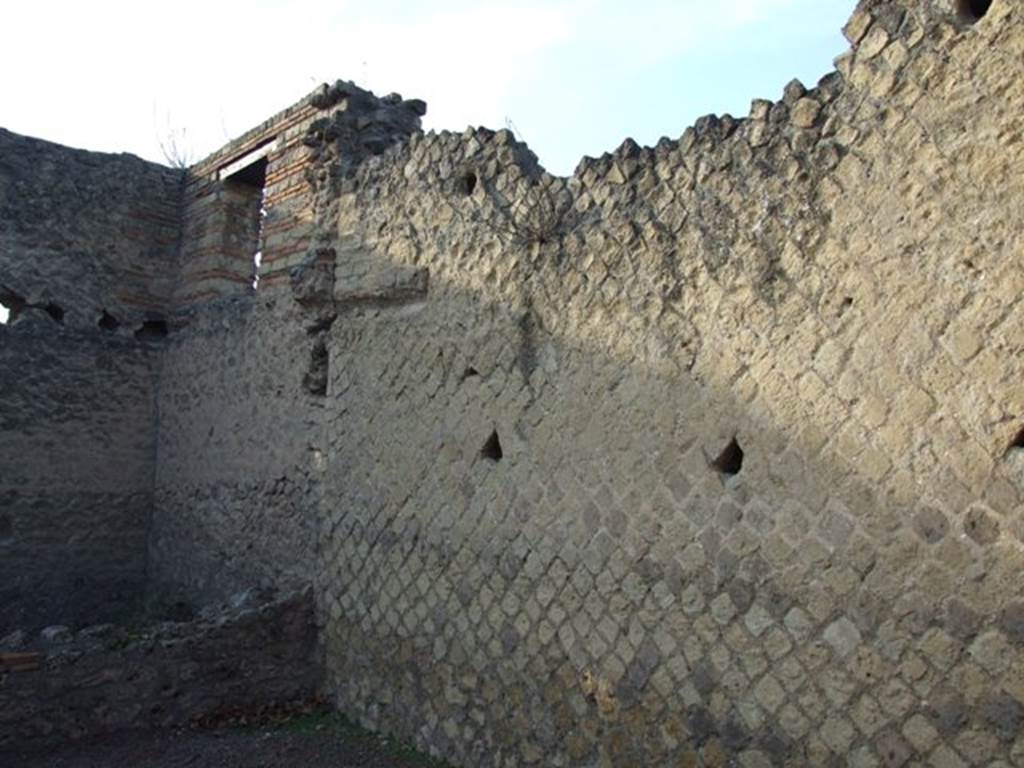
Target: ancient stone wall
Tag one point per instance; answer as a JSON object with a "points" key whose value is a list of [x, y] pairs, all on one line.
{"points": [[87, 233], [88, 246], [234, 501], [710, 452], [243, 377], [236, 494], [243, 659], [250, 196]]}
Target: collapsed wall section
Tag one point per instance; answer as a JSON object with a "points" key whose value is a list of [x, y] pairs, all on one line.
{"points": [[709, 452], [87, 257], [244, 660]]}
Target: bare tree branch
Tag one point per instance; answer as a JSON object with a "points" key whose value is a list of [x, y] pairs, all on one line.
{"points": [[173, 142]]}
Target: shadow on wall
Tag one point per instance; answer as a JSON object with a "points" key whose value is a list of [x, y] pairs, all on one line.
{"points": [[727, 468], [610, 542]]}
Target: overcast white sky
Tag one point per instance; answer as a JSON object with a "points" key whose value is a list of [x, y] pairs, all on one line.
{"points": [[575, 77]]}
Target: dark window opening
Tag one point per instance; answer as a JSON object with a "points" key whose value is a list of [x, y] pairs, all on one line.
{"points": [[492, 448], [254, 175], [152, 330], [11, 305], [108, 322], [730, 460], [973, 10], [467, 183]]}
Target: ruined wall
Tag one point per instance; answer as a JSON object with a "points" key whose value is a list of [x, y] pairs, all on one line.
{"points": [[233, 491], [707, 453], [87, 231], [241, 391], [711, 453], [223, 224], [87, 257], [242, 659]]}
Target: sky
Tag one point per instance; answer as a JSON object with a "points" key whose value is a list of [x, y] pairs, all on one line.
{"points": [[572, 77]]}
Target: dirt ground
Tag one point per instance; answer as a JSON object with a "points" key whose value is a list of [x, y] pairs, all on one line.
{"points": [[316, 741]]}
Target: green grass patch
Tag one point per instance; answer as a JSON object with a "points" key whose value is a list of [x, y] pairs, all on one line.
{"points": [[336, 725]]}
